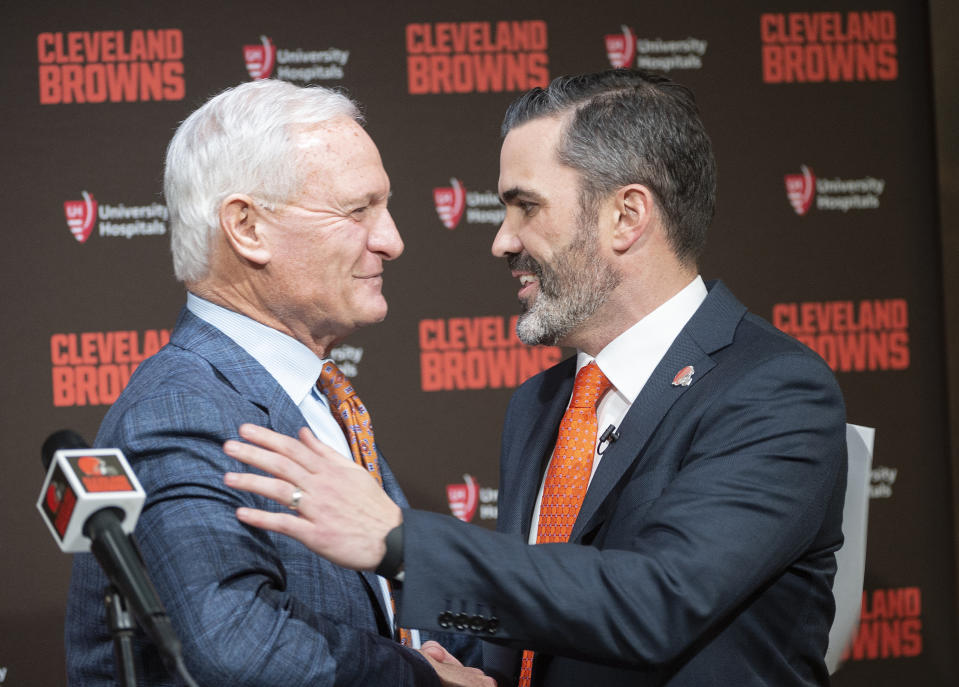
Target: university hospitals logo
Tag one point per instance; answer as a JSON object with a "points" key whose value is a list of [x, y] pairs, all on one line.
{"points": [[348, 358], [463, 498], [453, 202], [450, 202], [260, 59], [120, 220], [800, 189], [833, 193], [297, 65], [466, 497], [81, 215], [621, 48], [625, 50], [882, 480]]}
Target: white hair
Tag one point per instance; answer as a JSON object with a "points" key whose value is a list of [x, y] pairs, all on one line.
{"points": [[241, 141]]}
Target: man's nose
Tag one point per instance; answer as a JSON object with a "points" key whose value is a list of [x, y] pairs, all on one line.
{"points": [[385, 238], [506, 241]]}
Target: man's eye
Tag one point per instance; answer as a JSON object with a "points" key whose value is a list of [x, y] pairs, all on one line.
{"points": [[527, 208], [360, 211]]}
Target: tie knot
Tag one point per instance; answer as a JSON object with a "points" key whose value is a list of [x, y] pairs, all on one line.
{"points": [[334, 385], [589, 387]]}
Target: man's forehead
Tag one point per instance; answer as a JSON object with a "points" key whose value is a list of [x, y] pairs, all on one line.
{"points": [[529, 153], [337, 145], [537, 128], [341, 130], [341, 164]]}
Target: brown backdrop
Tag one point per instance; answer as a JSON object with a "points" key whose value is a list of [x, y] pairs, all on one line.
{"points": [[840, 90]]}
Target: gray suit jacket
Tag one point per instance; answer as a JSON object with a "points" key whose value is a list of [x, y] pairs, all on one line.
{"points": [[251, 607], [703, 552]]}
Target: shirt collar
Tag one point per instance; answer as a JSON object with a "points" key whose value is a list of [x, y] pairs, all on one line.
{"points": [[630, 358], [294, 366]]}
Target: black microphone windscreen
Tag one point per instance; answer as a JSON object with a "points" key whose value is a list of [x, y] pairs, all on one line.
{"points": [[61, 439]]}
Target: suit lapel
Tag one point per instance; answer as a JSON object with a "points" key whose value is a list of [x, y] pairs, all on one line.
{"points": [[238, 368], [642, 419], [256, 385], [710, 329]]}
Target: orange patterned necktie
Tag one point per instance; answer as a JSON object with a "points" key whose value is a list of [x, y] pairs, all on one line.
{"points": [[353, 417], [569, 470]]}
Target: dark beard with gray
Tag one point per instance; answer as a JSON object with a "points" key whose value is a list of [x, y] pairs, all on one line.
{"points": [[570, 290]]}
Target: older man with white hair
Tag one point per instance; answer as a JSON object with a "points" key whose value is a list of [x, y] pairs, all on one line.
{"points": [[280, 233]]}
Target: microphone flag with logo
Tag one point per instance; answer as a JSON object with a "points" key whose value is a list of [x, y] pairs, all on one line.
{"points": [[80, 481]]}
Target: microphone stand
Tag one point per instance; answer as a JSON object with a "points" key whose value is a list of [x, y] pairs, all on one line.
{"points": [[136, 588], [121, 627]]}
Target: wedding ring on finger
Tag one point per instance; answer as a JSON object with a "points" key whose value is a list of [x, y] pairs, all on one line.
{"points": [[295, 499]]}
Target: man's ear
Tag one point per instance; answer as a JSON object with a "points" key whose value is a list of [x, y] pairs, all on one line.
{"points": [[241, 221], [635, 208]]}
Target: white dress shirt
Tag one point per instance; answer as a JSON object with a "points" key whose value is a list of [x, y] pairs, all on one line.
{"points": [[629, 360]]}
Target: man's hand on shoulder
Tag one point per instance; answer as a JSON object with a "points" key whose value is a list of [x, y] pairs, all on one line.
{"points": [[336, 508]]}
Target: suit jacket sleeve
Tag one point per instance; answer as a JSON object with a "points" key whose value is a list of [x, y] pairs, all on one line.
{"points": [[250, 607], [729, 492]]}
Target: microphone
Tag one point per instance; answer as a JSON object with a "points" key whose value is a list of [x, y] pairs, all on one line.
{"points": [[91, 501], [609, 435], [81, 481]]}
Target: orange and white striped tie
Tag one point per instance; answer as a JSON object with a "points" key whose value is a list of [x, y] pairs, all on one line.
{"points": [[569, 470], [353, 417]]}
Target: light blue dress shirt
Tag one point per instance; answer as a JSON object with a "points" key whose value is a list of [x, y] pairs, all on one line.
{"points": [[294, 366]]}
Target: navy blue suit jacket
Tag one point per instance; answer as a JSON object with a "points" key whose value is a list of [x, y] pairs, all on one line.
{"points": [[251, 607], [703, 552]]}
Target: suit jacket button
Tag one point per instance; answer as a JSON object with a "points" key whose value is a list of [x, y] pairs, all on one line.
{"points": [[461, 621], [492, 625], [445, 619], [478, 623]]}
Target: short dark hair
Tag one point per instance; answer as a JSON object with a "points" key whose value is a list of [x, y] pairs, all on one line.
{"points": [[630, 126]]}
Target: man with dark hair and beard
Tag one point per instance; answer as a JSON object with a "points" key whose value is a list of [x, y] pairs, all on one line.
{"points": [[680, 479]]}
